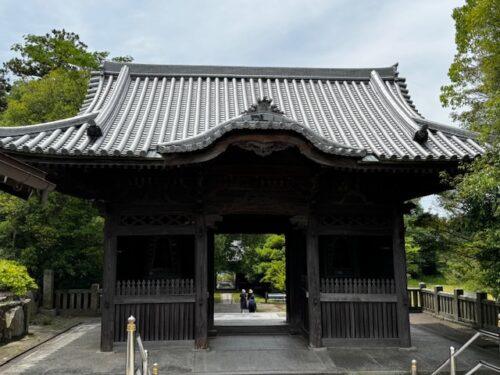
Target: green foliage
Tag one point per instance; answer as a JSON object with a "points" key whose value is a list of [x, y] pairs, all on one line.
{"points": [[65, 235], [412, 257], [57, 95], [270, 264], [474, 92], [236, 252], [4, 89], [260, 257], [426, 241], [15, 278], [53, 71], [59, 49], [474, 95], [475, 224]]}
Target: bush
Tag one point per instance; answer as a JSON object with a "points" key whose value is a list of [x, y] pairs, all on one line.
{"points": [[15, 278]]}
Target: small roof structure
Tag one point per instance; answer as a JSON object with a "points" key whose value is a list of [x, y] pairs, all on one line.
{"points": [[149, 111], [21, 179]]}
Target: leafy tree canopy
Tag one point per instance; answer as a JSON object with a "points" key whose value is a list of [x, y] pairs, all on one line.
{"points": [[52, 72], [474, 95], [474, 92], [64, 235], [57, 95], [59, 49]]}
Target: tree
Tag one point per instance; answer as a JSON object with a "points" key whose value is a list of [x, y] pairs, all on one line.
{"points": [[59, 49], [474, 92], [57, 95], [270, 261], [64, 235], [426, 241], [236, 252], [52, 74], [474, 96]]}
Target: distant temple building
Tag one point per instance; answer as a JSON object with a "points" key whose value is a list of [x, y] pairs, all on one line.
{"points": [[176, 154]]}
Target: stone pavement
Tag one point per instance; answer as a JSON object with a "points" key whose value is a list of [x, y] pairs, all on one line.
{"points": [[76, 352]]}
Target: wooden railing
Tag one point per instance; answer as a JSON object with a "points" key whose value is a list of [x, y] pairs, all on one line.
{"points": [[363, 309], [164, 308], [473, 309], [362, 286], [154, 287], [78, 301]]}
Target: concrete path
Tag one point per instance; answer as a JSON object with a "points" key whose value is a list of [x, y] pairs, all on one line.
{"points": [[250, 319], [76, 352]]}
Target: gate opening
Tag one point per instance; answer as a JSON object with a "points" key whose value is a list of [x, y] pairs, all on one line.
{"points": [[250, 283]]}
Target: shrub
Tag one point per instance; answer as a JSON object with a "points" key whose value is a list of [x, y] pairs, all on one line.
{"points": [[15, 278]]}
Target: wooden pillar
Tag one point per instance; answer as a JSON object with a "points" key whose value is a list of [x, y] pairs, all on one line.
{"points": [[288, 275], [109, 285], [294, 241], [201, 281], [211, 278], [399, 261], [313, 284]]}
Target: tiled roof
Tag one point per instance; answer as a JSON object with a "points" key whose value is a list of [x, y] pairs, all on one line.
{"points": [[146, 110]]}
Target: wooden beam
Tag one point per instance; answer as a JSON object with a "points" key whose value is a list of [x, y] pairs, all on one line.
{"points": [[109, 282], [176, 298], [399, 260], [200, 280], [353, 297], [294, 241], [313, 284]]}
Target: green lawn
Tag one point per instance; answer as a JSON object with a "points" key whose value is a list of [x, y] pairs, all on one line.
{"points": [[448, 287]]}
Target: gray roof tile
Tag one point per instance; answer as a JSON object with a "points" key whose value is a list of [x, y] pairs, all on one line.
{"points": [[145, 110]]}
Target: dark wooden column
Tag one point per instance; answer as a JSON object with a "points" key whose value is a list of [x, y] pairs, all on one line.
{"points": [[288, 275], [399, 260], [313, 284], [109, 282], [294, 240], [211, 278], [201, 281]]}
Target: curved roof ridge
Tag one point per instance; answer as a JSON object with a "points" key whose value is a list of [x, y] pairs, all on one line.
{"points": [[113, 105], [12, 131], [264, 121], [394, 104], [388, 72]]}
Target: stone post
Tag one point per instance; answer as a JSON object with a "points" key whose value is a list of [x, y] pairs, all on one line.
{"points": [[94, 297], [421, 286], [480, 297], [456, 304], [48, 289], [437, 289]]}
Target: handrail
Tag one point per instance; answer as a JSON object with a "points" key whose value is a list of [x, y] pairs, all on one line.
{"points": [[484, 364], [130, 360], [454, 354], [144, 356]]}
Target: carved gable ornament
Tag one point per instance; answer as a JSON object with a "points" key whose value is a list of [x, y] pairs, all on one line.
{"points": [[263, 106]]}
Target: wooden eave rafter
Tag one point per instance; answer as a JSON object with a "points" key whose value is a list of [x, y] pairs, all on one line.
{"points": [[21, 179]]}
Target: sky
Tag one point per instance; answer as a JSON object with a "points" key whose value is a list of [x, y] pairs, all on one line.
{"points": [[419, 35]]}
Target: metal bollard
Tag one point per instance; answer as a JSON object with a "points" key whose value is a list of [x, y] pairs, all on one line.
{"points": [[414, 367], [498, 325], [453, 370], [130, 346], [156, 370]]}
